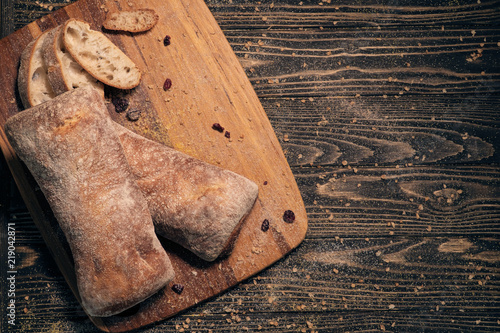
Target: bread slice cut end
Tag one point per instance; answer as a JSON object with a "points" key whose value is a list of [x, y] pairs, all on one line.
{"points": [[98, 55], [138, 20]]}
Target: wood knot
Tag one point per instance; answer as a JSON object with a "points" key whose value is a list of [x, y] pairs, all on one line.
{"points": [[456, 245], [447, 195]]}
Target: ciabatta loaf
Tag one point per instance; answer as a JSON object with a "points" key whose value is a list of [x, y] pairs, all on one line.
{"points": [[63, 72], [138, 20], [32, 82], [70, 146], [195, 204], [98, 55]]}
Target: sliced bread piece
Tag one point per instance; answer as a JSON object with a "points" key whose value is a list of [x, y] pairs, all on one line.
{"points": [[32, 81], [63, 72], [99, 56], [138, 20]]}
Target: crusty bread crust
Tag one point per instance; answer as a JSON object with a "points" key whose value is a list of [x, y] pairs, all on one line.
{"points": [[63, 72], [195, 204], [138, 20], [98, 55], [24, 74], [32, 82], [70, 146]]}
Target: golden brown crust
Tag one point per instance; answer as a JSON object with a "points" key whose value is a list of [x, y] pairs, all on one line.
{"points": [[231, 241], [54, 70], [71, 148], [33, 88], [23, 76], [195, 204]]}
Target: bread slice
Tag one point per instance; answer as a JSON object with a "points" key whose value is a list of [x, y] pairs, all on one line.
{"points": [[32, 82], [193, 203], [138, 20], [63, 72], [71, 148], [99, 56]]}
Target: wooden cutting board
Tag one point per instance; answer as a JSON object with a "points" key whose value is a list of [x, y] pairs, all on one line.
{"points": [[208, 86]]}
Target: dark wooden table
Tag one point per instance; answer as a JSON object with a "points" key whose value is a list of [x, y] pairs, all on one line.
{"points": [[388, 112]]}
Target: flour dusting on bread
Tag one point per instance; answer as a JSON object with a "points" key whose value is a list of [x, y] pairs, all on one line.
{"points": [[195, 204], [72, 150]]}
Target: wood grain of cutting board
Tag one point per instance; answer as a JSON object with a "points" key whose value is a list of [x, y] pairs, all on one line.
{"points": [[208, 86]]}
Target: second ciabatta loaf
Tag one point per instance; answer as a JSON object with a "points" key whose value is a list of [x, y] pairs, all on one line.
{"points": [[71, 148], [99, 56], [193, 203]]}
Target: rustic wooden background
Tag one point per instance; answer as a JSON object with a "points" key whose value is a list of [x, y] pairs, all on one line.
{"points": [[388, 113]]}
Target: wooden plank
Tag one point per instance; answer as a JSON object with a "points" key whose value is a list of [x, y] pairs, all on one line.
{"points": [[239, 14], [406, 201], [393, 321], [181, 118], [6, 20], [414, 130], [390, 321]]}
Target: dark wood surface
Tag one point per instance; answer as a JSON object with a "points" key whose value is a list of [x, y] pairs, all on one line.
{"points": [[388, 113]]}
